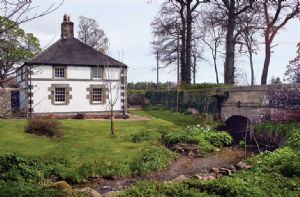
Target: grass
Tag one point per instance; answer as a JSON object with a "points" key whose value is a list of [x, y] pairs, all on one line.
{"points": [[178, 119], [87, 141], [83, 141]]}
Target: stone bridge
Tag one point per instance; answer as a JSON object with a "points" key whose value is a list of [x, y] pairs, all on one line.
{"points": [[241, 106], [237, 107], [261, 103]]}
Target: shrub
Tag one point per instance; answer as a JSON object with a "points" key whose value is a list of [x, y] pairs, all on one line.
{"points": [[293, 139], [153, 188], [23, 189], [206, 138], [219, 139], [284, 127], [152, 158], [155, 107], [148, 135], [49, 127], [204, 86], [291, 168], [14, 168]]}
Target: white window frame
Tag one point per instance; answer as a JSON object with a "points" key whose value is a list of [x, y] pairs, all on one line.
{"points": [[56, 94], [61, 69], [100, 94], [98, 71]]}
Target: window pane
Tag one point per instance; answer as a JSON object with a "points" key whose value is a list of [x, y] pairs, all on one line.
{"points": [[97, 95], [96, 73], [60, 95], [59, 72]]}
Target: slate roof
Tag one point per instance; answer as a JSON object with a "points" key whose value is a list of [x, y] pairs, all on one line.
{"points": [[71, 51]]}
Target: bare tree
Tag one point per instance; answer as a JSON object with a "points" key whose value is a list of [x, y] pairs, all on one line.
{"points": [[187, 10], [176, 17], [292, 74], [22, 11], [212, 35], [250, 27], [228, 12], [166, 32], [276, 16], [91, 34], [113, 90]]}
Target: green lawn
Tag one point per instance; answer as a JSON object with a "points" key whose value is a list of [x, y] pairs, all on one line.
{"points": [[88, 140], [83, 141], [179, 119]]}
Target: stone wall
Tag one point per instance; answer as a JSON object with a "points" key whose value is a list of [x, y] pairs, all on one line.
{"points": [[5, 102], [257, 103], [263, 103]]}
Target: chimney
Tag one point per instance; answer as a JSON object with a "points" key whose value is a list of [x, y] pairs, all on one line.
{"points": [[67, 28]]}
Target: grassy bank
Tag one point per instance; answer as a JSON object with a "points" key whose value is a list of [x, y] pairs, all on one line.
{"points": [[273, 174], [32, 163]]}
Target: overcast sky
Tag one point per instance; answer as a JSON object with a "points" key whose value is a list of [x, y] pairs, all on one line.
{"points": [[127, 25]]}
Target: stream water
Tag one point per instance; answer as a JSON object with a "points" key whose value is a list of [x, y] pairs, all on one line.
{"points": [[184, 165]]}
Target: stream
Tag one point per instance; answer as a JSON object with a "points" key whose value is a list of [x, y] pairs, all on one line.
{"points": [[183, 165]]}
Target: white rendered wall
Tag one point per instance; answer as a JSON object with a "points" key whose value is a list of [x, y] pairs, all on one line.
{"points": [[42, 79], [42, 72], [74, 72], [78, 103], [79, 72]]}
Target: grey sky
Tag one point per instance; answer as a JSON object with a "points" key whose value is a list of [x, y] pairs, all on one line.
{"points": [[127, 25]]}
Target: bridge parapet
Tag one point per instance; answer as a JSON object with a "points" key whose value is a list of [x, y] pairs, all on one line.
{"points": [[261, 103]]}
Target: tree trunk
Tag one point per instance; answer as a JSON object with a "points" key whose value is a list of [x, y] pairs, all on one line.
{"points": [[264, 75], [188, 66], [183, 43], [230, 46], [194, 69], [112, 123], [251, 67], [215, 63], [178, 73]]}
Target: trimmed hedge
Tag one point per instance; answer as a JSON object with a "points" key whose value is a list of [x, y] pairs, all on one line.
{"points": [[200, 100]]}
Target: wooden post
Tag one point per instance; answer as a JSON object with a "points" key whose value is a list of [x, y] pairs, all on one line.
{"points": [[157, 71]]}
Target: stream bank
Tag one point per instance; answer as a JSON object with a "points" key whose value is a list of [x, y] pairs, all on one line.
{"points": [[183, 165]]}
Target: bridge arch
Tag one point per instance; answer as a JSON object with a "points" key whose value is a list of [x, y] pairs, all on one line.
{"points": [[237, 126]]}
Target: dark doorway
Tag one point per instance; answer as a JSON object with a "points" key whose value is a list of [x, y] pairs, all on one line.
{"points": [[237, 127], [15, 101]]}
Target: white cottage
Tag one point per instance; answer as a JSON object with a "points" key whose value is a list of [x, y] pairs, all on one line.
{"points": [[71, 78]]}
